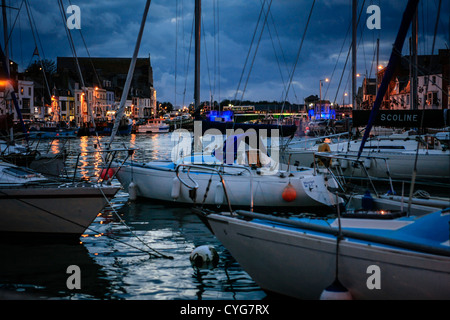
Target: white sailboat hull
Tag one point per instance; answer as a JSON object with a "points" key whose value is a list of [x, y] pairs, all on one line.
{"points": [[433, 165], [302, 264], [157, 183]]}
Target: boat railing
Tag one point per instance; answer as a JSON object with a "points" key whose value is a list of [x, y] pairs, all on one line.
{"points": [[360, 163], [219, 173], [311, 141]]}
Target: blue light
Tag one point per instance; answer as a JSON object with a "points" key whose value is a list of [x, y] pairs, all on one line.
{"points": [[225, 116]]}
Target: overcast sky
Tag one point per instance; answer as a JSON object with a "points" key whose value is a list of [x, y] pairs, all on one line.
{"points": [[110, 29]]}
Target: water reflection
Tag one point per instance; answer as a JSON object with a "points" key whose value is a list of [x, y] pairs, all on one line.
{"points": [[173, 232], [31, 271], [114, 258]]}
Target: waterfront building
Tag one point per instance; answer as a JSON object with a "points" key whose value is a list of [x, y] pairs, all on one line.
{"points": [[105, 79], [25, 99], [432, 83]]}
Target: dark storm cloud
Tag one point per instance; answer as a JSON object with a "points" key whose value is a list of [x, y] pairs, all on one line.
{"points": [[110, 29]]}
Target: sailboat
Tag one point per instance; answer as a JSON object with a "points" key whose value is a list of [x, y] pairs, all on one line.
{"points": [[233, 174], [375, 255], [37, 207], [392, 156], [207, 179]]}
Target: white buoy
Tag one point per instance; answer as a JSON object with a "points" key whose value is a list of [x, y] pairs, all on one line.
{"points": [[336, 291], [204, 257], [176, 186], [132, 191]]}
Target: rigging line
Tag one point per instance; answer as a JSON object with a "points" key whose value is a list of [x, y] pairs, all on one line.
{"points": [[72, 46], [129, 229], [248, 53], [256, 50], [436, 26], [89, 55], [39, 55], [298, 54], [337, 60], [188, 62], [206, 56], [215, 44], [176, 52], [275, 52], [11, 28], [282, 51], [88, 227], [348, 54], [218, 50], [37, 33]]}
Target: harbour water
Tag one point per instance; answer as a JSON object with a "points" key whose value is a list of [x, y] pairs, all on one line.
{"points": [[132, 251]]}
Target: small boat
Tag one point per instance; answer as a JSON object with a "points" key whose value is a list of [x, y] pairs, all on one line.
{"points": [[105, 128], [155, 125], [34, 206], [372, 258], [49, 132], [244, 180]]}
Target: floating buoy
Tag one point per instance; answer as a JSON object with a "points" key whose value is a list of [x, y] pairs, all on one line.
{"points": [[204, 257], [336, 291], [218, 194], [289, 194], [132, 191], [107, 174], [176, 185]]}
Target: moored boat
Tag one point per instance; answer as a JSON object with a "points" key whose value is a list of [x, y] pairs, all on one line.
{"points": [[153, 126], [34, 206], [249, 179], [299, 257]]}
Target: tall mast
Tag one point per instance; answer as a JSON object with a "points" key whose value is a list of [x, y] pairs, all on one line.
{"points": [[413, 62], [126, 88], [354, 5], [198, 12]]}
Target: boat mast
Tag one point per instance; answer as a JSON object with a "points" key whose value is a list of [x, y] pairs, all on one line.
{"points": [[354, 5], [394, 60], [129, 76], [198, 12]]}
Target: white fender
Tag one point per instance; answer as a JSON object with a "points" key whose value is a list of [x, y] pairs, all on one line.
{"points": [[132, 191], [218, 194], [176, 188], [344, 163]]}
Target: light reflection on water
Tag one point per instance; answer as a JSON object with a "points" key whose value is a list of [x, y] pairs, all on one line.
{"points": [[115, 264]]}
